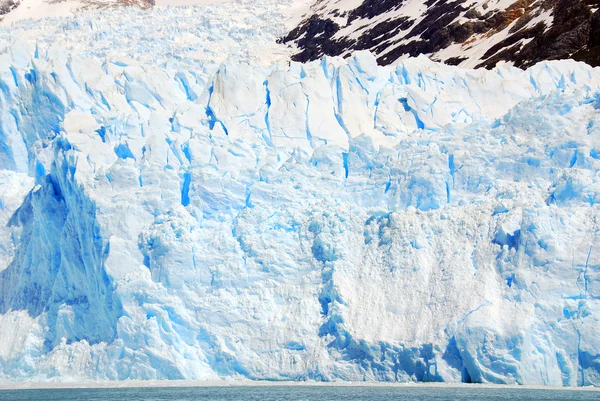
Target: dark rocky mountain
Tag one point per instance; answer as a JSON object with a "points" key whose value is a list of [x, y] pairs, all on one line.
{"points": [[471, 33], [7, 6]]}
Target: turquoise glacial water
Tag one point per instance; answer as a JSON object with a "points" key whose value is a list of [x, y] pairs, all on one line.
{"points": [[299, 393]]}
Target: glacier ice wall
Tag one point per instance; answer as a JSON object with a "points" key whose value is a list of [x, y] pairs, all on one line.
{"points": [[330, 220]]}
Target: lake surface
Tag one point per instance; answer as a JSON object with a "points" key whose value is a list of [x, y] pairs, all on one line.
{"points": [[316, 393]]}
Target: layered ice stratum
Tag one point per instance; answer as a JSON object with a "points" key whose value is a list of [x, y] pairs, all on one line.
{"points": [[182, 219]]}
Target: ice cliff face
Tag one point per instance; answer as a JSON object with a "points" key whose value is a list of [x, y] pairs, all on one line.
{"points": [[329, 220]]}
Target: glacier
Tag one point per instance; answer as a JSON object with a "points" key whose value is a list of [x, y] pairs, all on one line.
{"points": [[225, 217]]}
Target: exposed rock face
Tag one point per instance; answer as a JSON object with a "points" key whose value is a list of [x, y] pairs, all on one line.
{"points": [[7, 6], [469, 33]]}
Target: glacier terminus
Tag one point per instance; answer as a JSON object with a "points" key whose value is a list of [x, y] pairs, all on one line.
{"points": [[203, 209]]}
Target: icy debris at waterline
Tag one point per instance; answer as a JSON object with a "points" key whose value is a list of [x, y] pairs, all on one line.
{"points": [[331, 220]]}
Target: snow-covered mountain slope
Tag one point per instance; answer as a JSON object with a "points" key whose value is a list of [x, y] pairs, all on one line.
{"points": [[169, 212], [461, 32], [15, 10]]}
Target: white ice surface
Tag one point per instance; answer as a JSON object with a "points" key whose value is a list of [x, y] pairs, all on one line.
{"points": [[214, 213]]}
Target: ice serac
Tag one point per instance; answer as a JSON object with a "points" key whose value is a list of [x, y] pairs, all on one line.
{"points": [[330, 220]]}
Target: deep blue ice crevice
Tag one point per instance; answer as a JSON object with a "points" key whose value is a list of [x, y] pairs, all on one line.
{"points": [[122, 150], [345, 156], [185, 188], [210, 114], [185, 85], [404, 76], [185, 148], [268, 103], [15, 75], [450, 183], [104, 101], [31, 76], [451, 166], [376, 105], [512, 240], [339, 104], [418, 121], [307, 122], [573, 159]]}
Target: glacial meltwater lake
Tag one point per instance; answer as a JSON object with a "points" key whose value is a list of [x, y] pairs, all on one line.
{"points": [[316, 393]]}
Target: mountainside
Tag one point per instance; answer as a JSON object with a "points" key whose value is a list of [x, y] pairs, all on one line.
{"points": [[183, 202], [470, 33], [16, 10]]}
